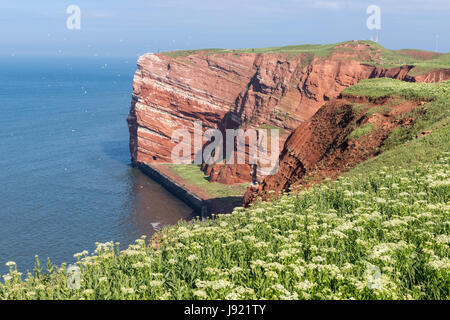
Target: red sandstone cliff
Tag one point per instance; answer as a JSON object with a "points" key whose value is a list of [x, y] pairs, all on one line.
{"points": [[231, 90], [321, 148]]}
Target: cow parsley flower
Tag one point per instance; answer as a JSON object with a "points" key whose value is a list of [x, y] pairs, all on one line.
{"points": [[10, 264]]}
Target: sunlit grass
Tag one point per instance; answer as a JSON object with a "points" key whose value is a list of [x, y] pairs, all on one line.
{"points": [[433, 116], [325, 243], [376, 88], [385, 58], [361, 131], [192, 175]]}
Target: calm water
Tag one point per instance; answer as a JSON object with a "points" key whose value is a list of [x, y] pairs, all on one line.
{"points": [[65, 174]]}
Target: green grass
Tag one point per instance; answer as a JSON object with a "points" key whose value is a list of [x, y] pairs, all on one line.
{"points": [[433, 116], [381, 236], [185, 53], [312, 50], [191, 174], [412, 153], [316, 50], [380, 110], [391, 59], [361, 131], [382, 87], [358, 107], [387, 58]]}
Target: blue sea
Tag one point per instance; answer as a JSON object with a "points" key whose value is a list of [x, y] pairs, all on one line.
{"points": [[65, 175]]}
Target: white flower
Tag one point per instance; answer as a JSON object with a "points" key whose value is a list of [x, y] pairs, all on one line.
{"points": [[7, 277], [233, 296], [271, 274], [127, 290], [192, 257], [200, 294], [440, 264], [443, 238], [289, 296], [10, 264], [220, 284], [380, 200], [155, 283], [234, 270], [138, 265], [339, 234], [304, 285]]}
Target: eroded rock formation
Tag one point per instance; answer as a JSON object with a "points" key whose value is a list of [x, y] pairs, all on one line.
{"points": [[323, 148], [238, 90]]}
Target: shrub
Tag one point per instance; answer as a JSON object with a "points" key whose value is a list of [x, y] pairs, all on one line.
{"points": [[361, 131]]}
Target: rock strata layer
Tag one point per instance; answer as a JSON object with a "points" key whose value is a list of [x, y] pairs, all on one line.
{"points": [[238, 90]]}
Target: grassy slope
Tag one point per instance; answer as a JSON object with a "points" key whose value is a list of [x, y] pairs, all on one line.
{"points": [[391, 59], [402, 149], [384, 236], [380, 232]]}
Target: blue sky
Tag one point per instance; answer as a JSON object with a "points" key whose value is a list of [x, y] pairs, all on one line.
{"points": [[133, 27]]}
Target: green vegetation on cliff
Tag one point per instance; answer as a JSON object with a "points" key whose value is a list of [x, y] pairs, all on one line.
{"points": [[424, 61], [382, 236], [192, 175], [379, 232], [384, 87], [361, 131], [408, 146], [317, 50]]}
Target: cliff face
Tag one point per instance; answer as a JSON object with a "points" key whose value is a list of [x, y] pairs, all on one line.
{"points": [[171, 94], [237, 90]]}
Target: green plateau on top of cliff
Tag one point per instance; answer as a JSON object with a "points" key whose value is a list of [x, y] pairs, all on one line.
{"points": [[424, 61]]}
